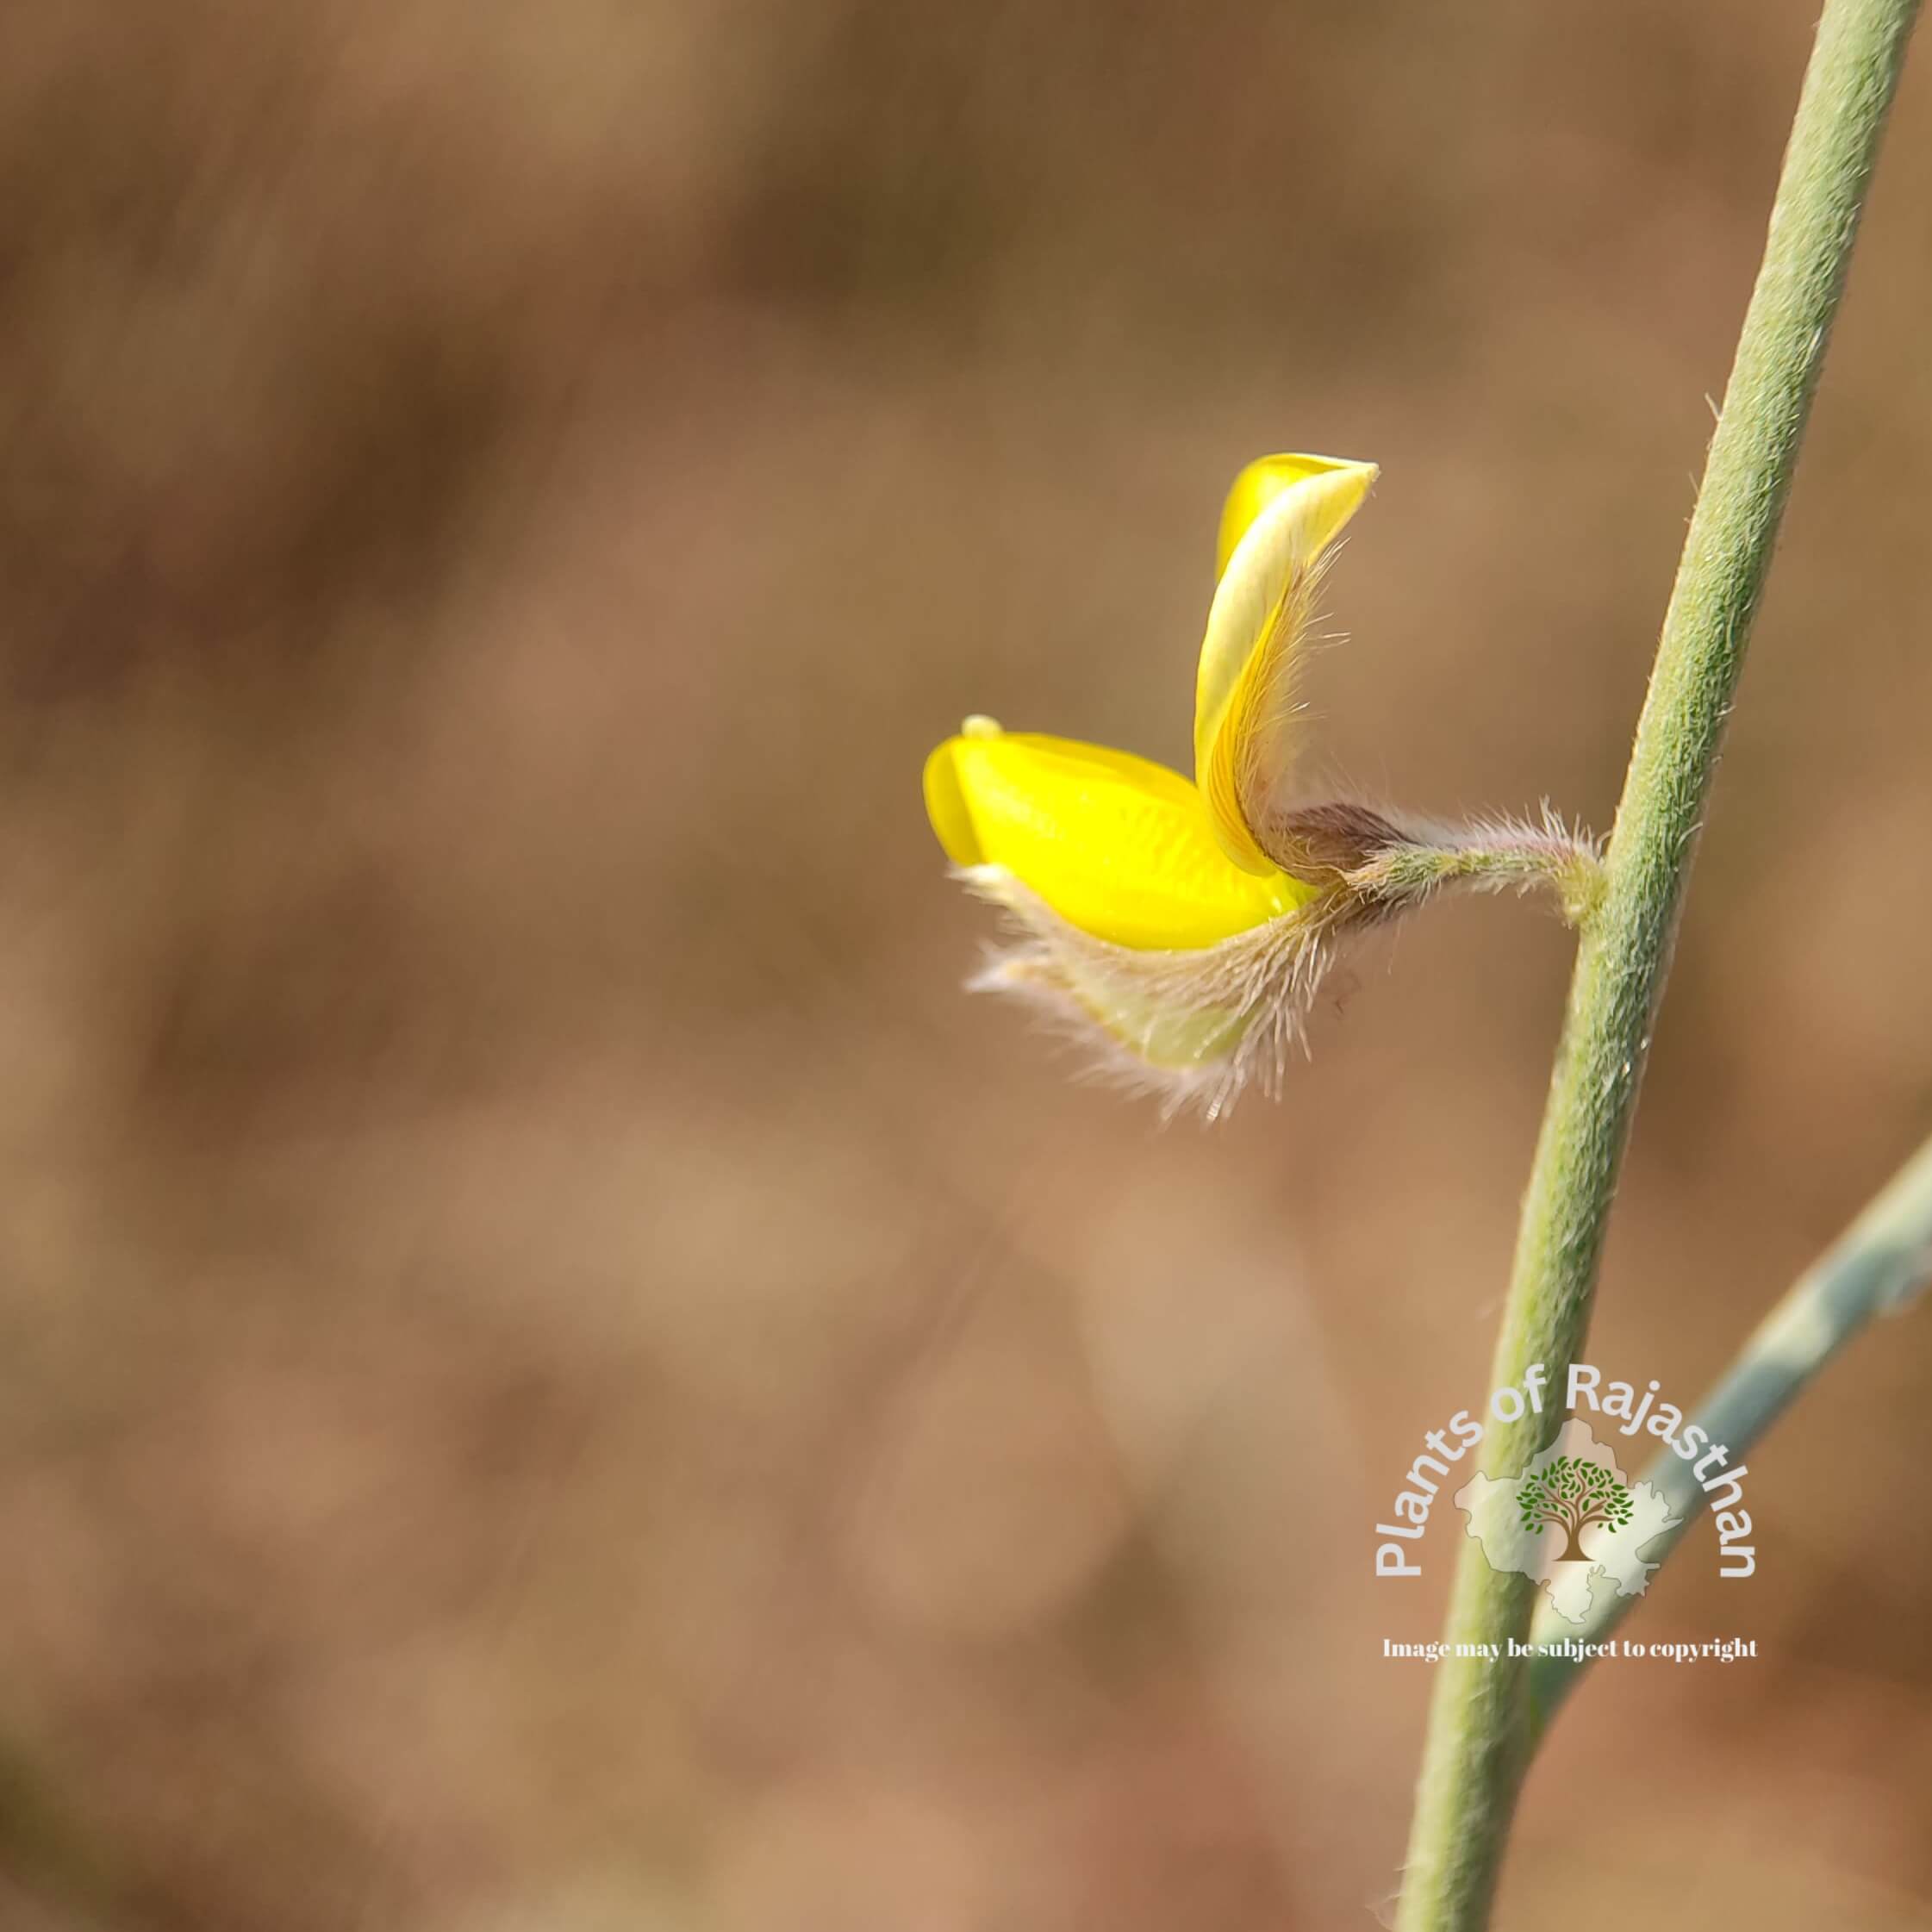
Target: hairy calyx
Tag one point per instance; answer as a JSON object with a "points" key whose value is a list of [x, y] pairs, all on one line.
{"points": [[1374, 864]]}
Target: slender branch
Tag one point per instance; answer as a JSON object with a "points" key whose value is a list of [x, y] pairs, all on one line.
{"points": [[1371, 859], [1479, 1730], [1504, 857], [1882, 1262]]}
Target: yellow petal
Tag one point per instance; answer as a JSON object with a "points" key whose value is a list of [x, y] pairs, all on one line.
{"points": [[1118, 846], [1269, 477], [1283, 513]]}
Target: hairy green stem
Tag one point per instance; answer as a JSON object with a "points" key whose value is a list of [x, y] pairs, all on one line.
{"points": [[1879, 1266], [1486, 858], [1478, 1727]]}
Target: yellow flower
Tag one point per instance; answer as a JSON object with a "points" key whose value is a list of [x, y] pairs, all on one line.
{"points": [[1151, 904], [1121, 848]]}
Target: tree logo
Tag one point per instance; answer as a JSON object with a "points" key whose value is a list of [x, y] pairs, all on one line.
{"points": [[1573, 1492], [1573, 1523]]}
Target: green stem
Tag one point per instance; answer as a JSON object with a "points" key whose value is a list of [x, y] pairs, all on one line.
{"points": [[1882, 1262], [1501, 857], [1479, 1728]]}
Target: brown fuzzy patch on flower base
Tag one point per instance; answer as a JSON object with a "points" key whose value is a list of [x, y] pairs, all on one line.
{"points": [[1325, 843], [1190, 1028]]}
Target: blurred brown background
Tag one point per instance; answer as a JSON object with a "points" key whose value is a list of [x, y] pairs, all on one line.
{"points": [[556, 1375]]}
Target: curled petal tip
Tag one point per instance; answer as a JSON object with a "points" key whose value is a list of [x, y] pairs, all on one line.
{"points": [[1340, 481], [1281, 516]]}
